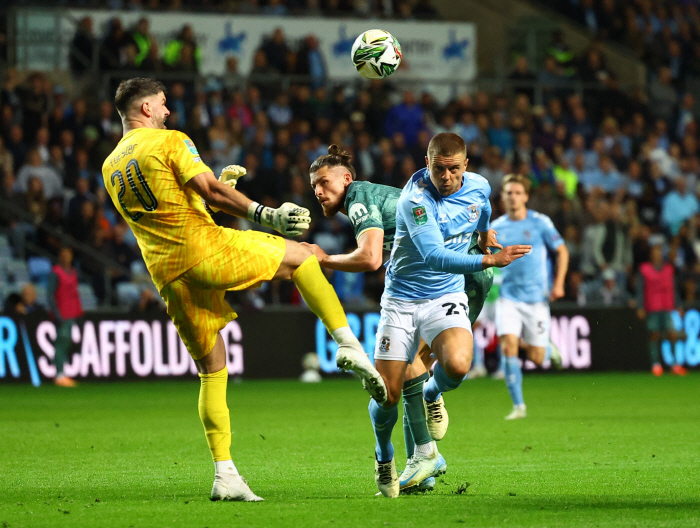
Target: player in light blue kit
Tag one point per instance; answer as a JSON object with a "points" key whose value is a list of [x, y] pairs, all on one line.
{"points": [[522, 309], [436, 215]]}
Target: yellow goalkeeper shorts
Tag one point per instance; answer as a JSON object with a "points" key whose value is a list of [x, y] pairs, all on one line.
{"points": [[195, 300]]}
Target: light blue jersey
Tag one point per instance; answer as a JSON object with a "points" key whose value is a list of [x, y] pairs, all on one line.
{"points": [[430, 253], [528, 279]]}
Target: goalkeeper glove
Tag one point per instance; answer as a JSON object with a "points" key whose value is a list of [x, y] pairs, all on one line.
{"points": [[290, 219], [229, 176]]}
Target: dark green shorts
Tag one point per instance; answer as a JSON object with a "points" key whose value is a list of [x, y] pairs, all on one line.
{"points": [[477, 285], [660, 322]]}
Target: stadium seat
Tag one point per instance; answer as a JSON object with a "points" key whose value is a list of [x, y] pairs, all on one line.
{"points": [[128, 293], [39, 269], [42, 296], [87, 296], [5, 252], [18, 270]]}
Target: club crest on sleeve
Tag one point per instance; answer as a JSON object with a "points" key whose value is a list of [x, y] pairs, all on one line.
{"points": [[190, 146], [473, 212], [420, 216], [384, 344]]}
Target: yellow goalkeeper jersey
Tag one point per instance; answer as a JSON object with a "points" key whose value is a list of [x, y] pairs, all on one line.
{"points": [[146, 175]]}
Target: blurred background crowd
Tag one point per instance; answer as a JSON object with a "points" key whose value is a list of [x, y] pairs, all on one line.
{"points": [[616, 170]]}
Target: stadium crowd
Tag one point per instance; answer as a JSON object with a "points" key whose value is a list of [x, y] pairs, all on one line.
{"points": [[617, 172], [660, 32]]}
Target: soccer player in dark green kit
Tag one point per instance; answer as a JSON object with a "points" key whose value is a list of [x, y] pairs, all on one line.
{"points": [[371, 209]]}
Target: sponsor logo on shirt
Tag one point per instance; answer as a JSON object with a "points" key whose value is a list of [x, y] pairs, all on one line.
{"points": [[358, 213], [442, 219], [190, 146], [420, 216], [473, 212]]}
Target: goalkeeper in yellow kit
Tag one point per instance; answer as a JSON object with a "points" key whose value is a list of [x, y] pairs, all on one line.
{"points": [[158, 183]]}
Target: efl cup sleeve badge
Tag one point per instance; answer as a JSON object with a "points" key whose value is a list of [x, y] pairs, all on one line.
{"points": [[473, 212], [420, 216], [190, 146]]}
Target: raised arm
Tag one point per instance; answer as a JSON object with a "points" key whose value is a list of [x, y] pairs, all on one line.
{"points": [[289, 219]]}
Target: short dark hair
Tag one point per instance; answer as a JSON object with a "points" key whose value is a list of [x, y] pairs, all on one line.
{"points": [[517, 178], [335, 158], [446, 144], [134, 89]]}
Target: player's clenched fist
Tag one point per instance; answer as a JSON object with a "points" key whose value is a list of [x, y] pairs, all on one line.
{"points": [[505, 256], [229, 175], [289, 219]]}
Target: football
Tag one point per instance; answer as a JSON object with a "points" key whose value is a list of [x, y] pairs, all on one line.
{"points": [[376, 54]]}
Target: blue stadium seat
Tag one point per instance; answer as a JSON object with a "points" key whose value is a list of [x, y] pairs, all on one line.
{"points": [[18, 270], [39, 269], [87, 296], [128, 293]]}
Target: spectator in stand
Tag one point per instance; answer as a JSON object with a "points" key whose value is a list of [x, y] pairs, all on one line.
{"points": [[657, 297], [35, 103], [142, 39], [310, 61], [405, 117], [606, 244], [65, 306], [261, 75], [82, 49], [662, 95], [492, 169], [172, 55], [522, 74], [113, 46], [608, 292], [7, 169], [500, 135], [275, 49], [51, 183], [566, 176], [29, 300], [34, 200], [677, 207]]}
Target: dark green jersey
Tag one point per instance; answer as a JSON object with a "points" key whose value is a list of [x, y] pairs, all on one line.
{"points": [[372, 206]]}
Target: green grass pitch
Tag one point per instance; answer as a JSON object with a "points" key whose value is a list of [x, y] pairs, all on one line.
{"points": [[596, 450]]}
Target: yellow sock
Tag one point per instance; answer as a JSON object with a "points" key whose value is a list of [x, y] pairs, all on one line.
{"points": [[319, 294], [213, 412]]}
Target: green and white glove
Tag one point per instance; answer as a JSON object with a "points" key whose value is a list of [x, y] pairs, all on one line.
{"points": [[229, 176], [289, 219]]}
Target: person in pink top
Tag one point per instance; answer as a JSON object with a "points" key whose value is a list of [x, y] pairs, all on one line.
{"points": [[656, 299], [64, 303]]}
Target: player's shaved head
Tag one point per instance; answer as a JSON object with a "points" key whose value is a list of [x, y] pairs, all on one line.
{"points": [[134, 90], [446, 144]]}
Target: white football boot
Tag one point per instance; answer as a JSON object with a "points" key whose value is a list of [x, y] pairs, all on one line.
{"points": [[555, 356], [421, 468], [352, 356], [477, 372], [518, 412], [437, 419], [386, 478], [231, 487]]}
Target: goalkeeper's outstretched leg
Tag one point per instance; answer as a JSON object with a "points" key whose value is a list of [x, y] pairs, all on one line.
{"points": [[301, 266]]}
